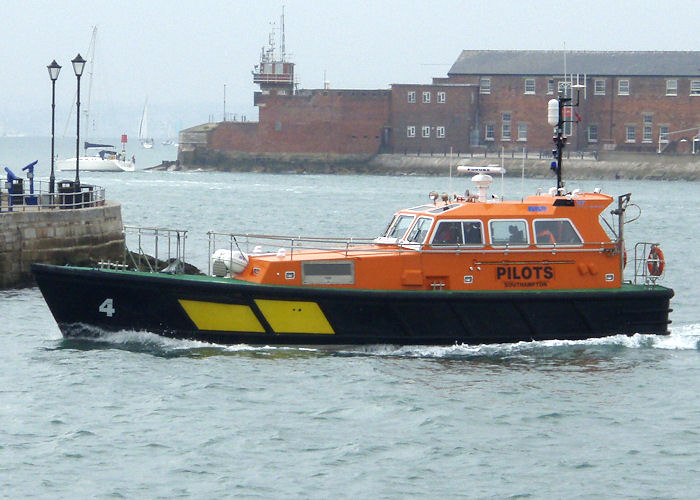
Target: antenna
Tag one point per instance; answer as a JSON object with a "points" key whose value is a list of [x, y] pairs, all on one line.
{"points": [[449, 183], [282, 49]]}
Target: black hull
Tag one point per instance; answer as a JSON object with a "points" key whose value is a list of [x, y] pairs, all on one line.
{"points": [[207, 309]]}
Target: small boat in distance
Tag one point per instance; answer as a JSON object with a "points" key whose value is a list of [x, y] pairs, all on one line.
{"points": [[106, 159], [146, 141], [468, 269]]}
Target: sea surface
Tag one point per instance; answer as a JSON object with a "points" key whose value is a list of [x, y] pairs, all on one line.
{"points": [[132, 415]]}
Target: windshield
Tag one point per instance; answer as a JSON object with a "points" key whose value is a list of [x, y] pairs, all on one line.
{"points": [[399, 227], [420, 230]]}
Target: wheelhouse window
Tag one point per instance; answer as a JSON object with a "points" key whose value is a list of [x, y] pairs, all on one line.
{"points": [[473, 232], [398, 227], [454, 233], [420, 230], [556, 232], [508, 232], [623, 87]]}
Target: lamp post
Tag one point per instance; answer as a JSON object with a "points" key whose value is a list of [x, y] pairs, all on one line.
{"points": [[54, 69], [78, 67]]}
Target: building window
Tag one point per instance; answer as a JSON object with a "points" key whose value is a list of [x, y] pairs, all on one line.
{"points": [[522, 131], [647, 120], [529, 85], [623, 87], [426, 97], [631, 132], [550, 86], [694, 87], [599, 86], [426, 131], [671, 87], [663, 134], [485, 86], [505, 126], [440, 132], [411, 96], [593, 133], [411, 131], [490, 132], [441, 97]]}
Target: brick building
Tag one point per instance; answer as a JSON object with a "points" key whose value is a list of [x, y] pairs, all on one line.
{"points": [[637, 101], [633, 101]]}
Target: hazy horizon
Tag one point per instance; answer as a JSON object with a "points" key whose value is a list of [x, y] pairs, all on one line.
{"points": [[179, 56]]}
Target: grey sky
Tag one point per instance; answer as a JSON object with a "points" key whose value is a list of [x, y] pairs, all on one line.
{"points": [[180, 54]]}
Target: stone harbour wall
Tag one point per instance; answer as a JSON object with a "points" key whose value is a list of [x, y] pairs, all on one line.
{"points": [[605, 166], [77, 237]]}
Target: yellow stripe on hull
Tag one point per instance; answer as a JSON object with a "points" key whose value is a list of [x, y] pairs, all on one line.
{"points": [[288, 316], [221, 317]]}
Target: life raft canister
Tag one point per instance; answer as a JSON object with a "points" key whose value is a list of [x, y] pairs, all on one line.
{"points": [[655, 261]]}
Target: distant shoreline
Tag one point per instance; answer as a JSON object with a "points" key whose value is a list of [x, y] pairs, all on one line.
{"points": [[608, 166]]}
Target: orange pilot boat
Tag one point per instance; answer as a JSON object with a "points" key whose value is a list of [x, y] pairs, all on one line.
{"points": [[472, 269]]}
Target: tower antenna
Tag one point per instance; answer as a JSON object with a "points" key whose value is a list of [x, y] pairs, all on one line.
{"points": [[284, 55]]}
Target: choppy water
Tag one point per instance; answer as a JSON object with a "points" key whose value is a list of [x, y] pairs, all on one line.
{"points": [[132, 415]]}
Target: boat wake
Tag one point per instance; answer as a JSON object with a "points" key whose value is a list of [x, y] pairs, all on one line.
{"points": [[86, 337], [682, 338]]}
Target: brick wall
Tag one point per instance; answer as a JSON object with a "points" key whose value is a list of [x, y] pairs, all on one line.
{"points": [[374, 121], [311, 121], [432, 118]]}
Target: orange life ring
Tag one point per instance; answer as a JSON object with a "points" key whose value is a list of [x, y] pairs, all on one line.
{"points": [[655, 261]]}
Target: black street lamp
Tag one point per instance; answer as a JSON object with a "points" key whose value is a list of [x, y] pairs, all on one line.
{"points": [[78, 67], [54, 69]]}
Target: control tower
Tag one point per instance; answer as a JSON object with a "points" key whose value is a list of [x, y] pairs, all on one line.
{"points": [[274, 74]]}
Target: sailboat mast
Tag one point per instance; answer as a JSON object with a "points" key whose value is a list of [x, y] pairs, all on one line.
{"points": [[90, 72]]}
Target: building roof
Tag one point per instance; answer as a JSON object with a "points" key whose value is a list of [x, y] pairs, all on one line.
{"points": [[551, 62]]}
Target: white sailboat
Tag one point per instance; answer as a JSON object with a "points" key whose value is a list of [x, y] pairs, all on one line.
{"points": [[146, 141], [106, 159]]}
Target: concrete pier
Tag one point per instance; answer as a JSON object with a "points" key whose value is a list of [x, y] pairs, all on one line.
{"points": [[55, 236]]}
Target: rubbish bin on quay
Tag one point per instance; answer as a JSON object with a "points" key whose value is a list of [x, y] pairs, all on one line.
{"points": [[66, 194], [16, 190]]}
